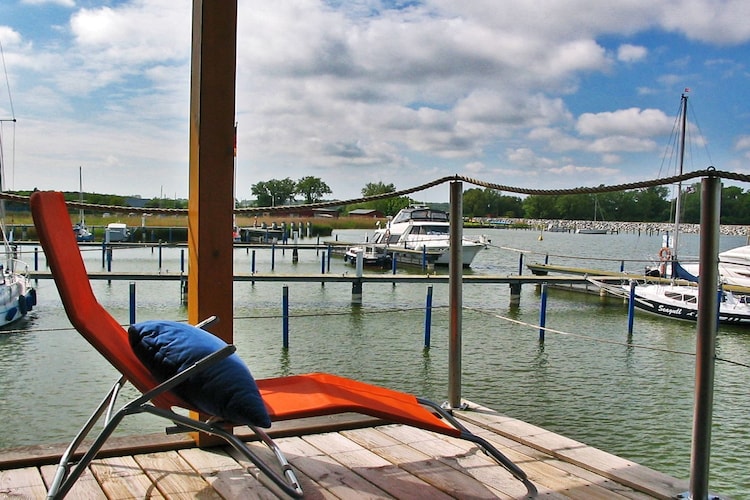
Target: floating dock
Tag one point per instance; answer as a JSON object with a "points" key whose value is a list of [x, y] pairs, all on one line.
{"points": [[351, 457]]}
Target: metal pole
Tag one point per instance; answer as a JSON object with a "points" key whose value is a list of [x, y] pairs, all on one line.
{"points": [[285, 316], [132, 303], [706, 336], [543, 313], [631, 306], [455, 291], [428, 317]]}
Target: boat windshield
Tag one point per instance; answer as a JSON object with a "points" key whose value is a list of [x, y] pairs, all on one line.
{"points": [[420, 214], [429, 230]]}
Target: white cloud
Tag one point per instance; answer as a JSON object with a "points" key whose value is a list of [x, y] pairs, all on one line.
{"points": [[742, 143], [64, 3], [367, 91], [631, 53], [633, 122]]}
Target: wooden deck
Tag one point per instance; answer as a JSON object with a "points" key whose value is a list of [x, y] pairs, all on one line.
{"points": [[359, 460]]}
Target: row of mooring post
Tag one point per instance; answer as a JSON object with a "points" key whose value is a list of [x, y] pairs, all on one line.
{"points": [[285, 314]]}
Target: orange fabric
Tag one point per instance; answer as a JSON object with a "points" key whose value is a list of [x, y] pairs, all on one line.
{"points": [[317, 394], [286, 398], [56, 236]]}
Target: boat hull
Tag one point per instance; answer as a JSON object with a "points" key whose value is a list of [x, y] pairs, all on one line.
{"points": [[731, 310]]}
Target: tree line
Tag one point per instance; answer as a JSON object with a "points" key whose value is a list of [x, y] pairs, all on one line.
{"points": [[653, 204]]}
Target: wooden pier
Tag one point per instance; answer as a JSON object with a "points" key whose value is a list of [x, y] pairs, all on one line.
{"points": [[350, 457]]}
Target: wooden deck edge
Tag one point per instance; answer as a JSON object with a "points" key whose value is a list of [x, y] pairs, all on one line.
{"points": [[46, 454], [626, 472]]}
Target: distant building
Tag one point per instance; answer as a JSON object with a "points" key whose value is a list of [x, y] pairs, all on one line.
{"points": [[366, 213]]}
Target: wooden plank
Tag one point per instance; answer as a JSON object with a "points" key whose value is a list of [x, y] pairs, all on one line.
{"points": [[431, 470], [85, 487], [620, 470], [225, 475], [463, 457], [311, 489], [334, 477], [122, 478], [382, 473], [22, 483], [174, 477]]}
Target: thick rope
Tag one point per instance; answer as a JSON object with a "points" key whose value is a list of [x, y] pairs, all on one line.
{"points": [[709, 172]]}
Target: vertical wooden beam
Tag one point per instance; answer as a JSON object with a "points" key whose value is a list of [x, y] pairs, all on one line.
{"points": [[212, 112], [211, 177]]}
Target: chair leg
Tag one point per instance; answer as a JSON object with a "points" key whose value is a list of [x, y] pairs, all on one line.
{"points": [[67, 472], [467, 435], [288, 483]]}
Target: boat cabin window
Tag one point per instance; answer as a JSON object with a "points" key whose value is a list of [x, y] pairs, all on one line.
{"points": [[690, 299], [430, 230]]}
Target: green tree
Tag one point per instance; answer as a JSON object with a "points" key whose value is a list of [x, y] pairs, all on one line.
{"points": [[274, 192], [490, 203], [389, 206], [312, 188]]}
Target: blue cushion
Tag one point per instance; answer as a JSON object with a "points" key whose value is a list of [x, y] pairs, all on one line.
{"points": [[226, 389]]}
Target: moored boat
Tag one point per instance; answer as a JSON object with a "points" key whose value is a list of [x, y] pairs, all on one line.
{"points": [[681, 302], [372, 255], [419, 233]]}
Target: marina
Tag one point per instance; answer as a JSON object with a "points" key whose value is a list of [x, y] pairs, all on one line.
{"points": [[567, 383]]}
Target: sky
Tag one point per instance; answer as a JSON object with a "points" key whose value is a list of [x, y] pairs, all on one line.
{"points": [[546, 94]]}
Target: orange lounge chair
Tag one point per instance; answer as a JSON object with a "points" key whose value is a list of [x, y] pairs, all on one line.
{"points": [[285, 397]]}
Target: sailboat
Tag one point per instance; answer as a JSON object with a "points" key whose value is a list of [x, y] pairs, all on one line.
{"points": [[81, 231], [680, 300], [17, 295], [593, 229]]}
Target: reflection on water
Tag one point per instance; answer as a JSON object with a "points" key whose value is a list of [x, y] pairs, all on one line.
{"points": [[596, 384]]}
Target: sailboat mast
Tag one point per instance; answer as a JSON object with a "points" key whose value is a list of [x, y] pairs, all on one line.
{"points": [[80, 196], [678, 201]]}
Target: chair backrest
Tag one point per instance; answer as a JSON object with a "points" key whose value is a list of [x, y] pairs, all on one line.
{"points": [[54, 228]]}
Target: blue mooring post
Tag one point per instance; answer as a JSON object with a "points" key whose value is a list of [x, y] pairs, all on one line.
{"points": [[631, 306], [132, 302], [428, 317], [622, 266], [182, 260], [252, 262], [520, 265], [36, 258], [285, 316], [543, 313], [273, 256], [160, 259], [317, 246], [104, 254], [424, 257], [328, 258], [109, 259], [546, 259]]}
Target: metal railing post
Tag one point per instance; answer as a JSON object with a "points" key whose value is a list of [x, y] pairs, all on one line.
{"points": [[455, 293], [705, 349]]}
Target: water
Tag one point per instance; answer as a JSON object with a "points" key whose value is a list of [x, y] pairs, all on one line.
{"points": [[598, 386]]}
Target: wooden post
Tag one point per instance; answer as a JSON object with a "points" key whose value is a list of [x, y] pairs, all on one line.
{"points": [[211, 176]]}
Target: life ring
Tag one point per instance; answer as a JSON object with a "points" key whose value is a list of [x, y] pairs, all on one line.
{"points": [[665, 254]]}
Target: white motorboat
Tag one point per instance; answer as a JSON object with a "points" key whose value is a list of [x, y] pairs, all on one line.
{"points": [[420, 234], [372, 255], [734, 267]]}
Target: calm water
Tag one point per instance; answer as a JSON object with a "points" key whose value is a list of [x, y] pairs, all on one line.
{"points": [[617, 395]]}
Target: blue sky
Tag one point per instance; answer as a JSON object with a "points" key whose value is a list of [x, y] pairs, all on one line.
{"points": [[548, 94]]}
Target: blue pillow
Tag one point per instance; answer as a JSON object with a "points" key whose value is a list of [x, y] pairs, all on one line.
{"points": [[226, 389]]}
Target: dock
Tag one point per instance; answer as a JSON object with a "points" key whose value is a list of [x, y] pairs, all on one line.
{"points": [[349, 456]]}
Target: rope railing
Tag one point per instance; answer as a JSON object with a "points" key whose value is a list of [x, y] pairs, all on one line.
{"points": [[708, 172]]}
